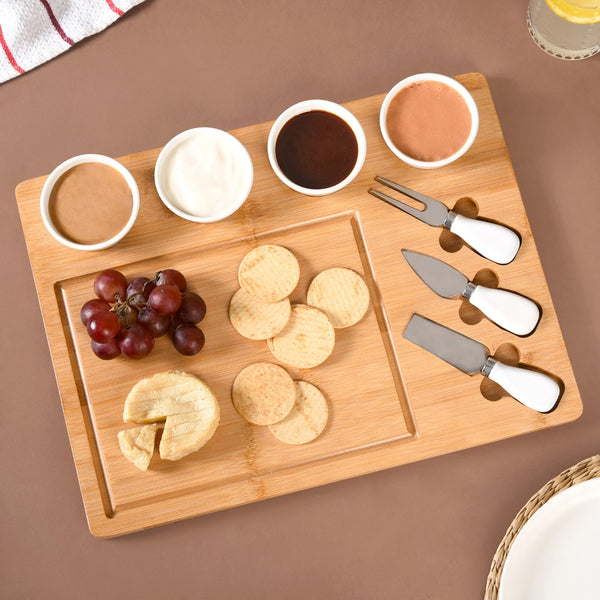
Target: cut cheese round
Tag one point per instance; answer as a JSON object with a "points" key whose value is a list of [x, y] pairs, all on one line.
{"points": [[186, 405]]}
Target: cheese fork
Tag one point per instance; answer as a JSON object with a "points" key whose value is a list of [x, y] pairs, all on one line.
{"points": [[493, 241]]}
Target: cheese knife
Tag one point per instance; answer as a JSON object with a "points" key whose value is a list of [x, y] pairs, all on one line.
{"points": [[493, 241], [531, 388], [511, 311]]}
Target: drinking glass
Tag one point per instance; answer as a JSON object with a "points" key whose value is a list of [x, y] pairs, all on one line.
{"points": [[568, 29]]}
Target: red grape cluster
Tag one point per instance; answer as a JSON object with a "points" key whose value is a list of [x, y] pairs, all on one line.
{"points": [[127, 316]]}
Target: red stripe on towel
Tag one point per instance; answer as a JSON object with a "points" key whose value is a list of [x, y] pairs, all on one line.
{"points": [[11, 58], [114, 8], [56, 24]]}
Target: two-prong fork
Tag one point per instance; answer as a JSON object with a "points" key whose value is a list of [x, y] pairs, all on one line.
{"points": [[496, 242]]}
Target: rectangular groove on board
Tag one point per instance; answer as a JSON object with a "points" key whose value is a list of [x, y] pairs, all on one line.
{"points": [[83, 403], [382, 319]]}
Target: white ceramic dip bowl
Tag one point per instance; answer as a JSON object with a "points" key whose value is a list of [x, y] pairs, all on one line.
{"points": [[423, 77], [54, 177], [325, 106], [203, 174]]}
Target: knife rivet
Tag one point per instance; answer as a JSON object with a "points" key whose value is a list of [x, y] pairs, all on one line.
{"points": [[488, 365], [469, 290]]}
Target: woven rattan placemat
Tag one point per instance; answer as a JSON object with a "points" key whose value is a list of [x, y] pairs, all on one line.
{"points": [[582, 471]]}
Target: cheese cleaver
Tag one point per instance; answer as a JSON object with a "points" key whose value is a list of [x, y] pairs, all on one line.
{"points": [[531, 388], [509, 310]]}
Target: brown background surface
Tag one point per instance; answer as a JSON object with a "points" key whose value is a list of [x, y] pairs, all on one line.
{"points": [[426, 530]]}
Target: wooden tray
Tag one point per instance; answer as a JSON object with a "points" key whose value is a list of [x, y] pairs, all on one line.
{"points": [[391, 402]]}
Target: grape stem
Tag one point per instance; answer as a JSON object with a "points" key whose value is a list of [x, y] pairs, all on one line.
{"points": [[135, 300], [122, 309]]}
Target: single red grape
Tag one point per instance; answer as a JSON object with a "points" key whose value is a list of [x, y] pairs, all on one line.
{"points": [[157, 324], [188, 339], [140, 289], [165, 299], [110, 283], [91, 307], [172, 277], [102, 326], [135, 341], [192, 309], [106, 351]]}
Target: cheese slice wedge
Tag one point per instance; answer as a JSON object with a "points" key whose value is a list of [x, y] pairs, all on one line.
{"points": [[186, 405], [137, 445]]}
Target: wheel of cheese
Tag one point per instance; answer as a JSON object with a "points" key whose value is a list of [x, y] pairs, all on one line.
{"points": [[185, 403]]}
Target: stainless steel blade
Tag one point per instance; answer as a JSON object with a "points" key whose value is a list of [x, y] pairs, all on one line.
{"points": [[459, 350], [443, 279]]}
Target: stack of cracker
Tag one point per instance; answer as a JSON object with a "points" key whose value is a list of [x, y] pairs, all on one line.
{"points": [[299, 335]]}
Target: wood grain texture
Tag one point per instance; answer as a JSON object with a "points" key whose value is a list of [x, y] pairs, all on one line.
{"points": [[390, 402]]}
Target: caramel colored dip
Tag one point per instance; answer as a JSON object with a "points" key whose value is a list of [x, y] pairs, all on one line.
{"points": [[428, 121], [90, 203]]}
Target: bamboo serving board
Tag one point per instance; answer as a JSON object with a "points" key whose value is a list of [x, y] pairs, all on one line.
{"points": [[390, 401]]}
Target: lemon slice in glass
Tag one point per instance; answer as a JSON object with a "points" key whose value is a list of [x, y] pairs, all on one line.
{"points": [[583, 12]]}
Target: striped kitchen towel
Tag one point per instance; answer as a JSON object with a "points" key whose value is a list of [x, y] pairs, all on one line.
{"points": [[34, 31]]}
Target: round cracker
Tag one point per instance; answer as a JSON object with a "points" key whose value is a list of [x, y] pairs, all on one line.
{"points": [[306, 341], [306, 420], [257, 320], [269, 273], [263, 393], [341, 294]]}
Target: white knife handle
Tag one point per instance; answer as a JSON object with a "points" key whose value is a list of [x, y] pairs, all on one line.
{"points": [[496, 242], [533, 389], [513, 312]]}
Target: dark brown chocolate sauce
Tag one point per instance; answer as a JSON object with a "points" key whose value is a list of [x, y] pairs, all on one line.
{"points": [[316, 149]]}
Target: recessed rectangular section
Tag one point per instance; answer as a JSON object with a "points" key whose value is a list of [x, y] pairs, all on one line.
{"points": [[361, 379]]}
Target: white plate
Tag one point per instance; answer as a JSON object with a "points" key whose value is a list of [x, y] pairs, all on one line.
{"points": [[557, 553]]}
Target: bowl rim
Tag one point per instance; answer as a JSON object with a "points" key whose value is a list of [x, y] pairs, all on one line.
{"points": [[241, 151], [454, 84], [307, 106], [63, 168]]}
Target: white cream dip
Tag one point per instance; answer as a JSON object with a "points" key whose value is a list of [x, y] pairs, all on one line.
{"points": [[204, 173]]}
